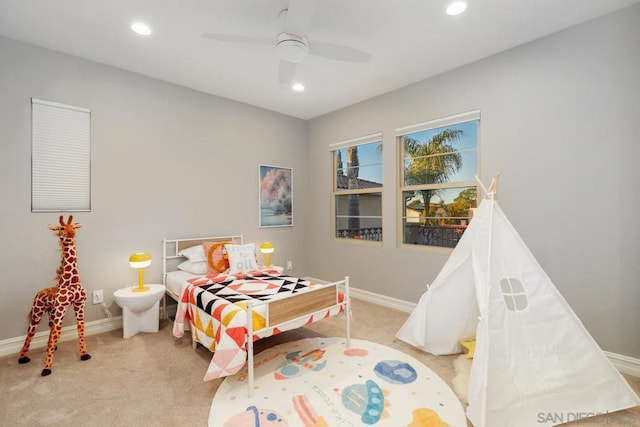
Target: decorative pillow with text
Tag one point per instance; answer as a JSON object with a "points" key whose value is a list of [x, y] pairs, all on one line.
{"points": [[242, 258]]}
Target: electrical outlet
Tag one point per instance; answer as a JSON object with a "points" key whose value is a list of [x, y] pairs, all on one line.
{"points": [[289, 265], [98, 297]]}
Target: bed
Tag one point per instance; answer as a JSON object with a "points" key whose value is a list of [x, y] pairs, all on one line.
{"points": [[235, 299]]}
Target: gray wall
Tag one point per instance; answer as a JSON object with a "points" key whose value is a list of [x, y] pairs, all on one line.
{"points": [[560, 123], [166, 162]]}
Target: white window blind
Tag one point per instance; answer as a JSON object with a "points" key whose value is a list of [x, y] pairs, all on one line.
{"points": [[60, 157], [445, 121], [374, 137]]}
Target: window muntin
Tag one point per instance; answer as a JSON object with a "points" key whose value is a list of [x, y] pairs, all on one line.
{"points": [[366, 227], [368, 169], [357, 190], [438, 187]]}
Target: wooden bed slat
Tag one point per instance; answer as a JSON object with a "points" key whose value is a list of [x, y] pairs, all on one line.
{"points": [[305, 303], [184, 244]]}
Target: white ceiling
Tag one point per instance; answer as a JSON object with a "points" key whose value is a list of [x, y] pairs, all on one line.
{"points": [[410, 40]]}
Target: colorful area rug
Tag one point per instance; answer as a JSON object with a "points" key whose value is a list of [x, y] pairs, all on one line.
{"points": [[317, 382]]}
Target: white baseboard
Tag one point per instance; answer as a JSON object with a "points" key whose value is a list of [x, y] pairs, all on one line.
{"points": [[14, 345], [624, 364], [383, 300]]}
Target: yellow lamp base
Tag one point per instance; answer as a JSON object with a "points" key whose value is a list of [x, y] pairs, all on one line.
{"points": [[141, 287]]}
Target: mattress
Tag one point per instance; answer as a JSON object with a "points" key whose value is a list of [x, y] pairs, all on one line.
{"points": [[176, 280]]}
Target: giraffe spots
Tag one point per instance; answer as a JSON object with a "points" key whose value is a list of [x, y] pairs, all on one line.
{"points": [[56, 300]]}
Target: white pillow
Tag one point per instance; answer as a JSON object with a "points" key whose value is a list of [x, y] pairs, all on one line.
{"points": [[194, 253], [242, 258], [194, 267]]}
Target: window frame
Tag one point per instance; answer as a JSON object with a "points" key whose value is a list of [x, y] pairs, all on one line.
{"points": [[469, 116], [335, 192]]}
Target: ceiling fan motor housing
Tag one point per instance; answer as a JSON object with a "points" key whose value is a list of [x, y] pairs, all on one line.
{"points": [[292, 48]]}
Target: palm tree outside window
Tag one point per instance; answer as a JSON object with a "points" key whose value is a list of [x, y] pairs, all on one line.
{"points": [[357, 188], [439, 162]]}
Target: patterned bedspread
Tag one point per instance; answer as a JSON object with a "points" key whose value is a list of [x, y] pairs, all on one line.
{"points": [[214, 308]]}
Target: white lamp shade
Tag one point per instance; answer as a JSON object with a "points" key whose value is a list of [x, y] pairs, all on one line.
{"points": [[140, 260], [267, 247]]}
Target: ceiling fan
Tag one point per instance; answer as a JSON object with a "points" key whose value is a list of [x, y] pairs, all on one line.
{"points": [[292, 44]]}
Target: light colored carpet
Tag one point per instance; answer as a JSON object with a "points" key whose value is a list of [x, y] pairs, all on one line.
{"points": [[319, 382], [460, 381], [155, 379]]}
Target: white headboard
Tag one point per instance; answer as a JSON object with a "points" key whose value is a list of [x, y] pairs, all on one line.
{"points": [[171, 247]]}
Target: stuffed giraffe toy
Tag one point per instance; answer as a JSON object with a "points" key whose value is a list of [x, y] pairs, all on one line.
{"points": [[56, 300]]}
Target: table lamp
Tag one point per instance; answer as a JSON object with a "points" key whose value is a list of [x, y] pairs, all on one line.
{"points": [[140, 260], [267, 249]]}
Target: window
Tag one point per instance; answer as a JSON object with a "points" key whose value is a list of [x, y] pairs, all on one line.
{"points": [[357, 188], [439, 163], [60, 157]]}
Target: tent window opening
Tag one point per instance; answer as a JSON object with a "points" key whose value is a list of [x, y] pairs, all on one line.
{"points": [[513, 294], [60, 157]]}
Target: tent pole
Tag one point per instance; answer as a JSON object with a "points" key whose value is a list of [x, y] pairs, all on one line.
{"points": [[485, 369]]}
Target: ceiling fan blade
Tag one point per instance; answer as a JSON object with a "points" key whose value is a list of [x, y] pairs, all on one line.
{"points": [[286, 71], [237, 38], [339, 52], [299, 15]]}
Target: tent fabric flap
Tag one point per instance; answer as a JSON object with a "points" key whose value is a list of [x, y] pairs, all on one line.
{"points": [[433, 326]]}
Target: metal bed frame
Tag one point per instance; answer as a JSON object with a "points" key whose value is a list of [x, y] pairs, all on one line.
{"points": [[278, 311]]}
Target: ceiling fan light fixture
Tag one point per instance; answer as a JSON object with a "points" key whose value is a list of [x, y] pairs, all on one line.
{"points": [[456, 8], [140, 28], [292, 48]]}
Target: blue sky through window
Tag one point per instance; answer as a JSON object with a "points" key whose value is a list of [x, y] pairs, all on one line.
{"points": [[370, 159], [467, 145]]}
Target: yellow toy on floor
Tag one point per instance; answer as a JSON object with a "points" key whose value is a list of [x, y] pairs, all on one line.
{"points": [[470, 346]]}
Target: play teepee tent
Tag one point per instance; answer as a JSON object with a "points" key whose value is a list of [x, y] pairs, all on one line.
{"points": [[535, 364]]}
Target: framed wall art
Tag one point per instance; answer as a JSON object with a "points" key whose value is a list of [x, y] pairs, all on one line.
{"points": [[275, 189]]}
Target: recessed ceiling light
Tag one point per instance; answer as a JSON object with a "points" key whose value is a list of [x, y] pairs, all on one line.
{"points": [[298, 87], [456, 8], [140, 28]]}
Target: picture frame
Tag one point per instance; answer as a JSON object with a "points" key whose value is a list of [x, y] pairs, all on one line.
{"points": [[275, 196]]}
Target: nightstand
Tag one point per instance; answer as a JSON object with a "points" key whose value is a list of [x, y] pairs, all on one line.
{"points": [[140, 310]]}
